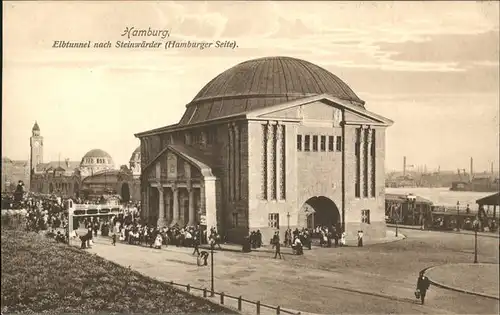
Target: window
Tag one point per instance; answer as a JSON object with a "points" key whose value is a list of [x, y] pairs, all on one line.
{"points": [[274, 220], [339, 143], [365, 216], [234, 221], [307, 143], [331, 143], [323, 143], [315, 143], [299, 142]]}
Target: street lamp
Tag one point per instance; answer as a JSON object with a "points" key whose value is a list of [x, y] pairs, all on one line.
{"points": [[476, 226], [288, 218], [458, 216], [212, 244], [410, 198], [394, 207]]}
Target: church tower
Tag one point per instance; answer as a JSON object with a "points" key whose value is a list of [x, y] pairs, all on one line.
{"points": [[36, 144]]}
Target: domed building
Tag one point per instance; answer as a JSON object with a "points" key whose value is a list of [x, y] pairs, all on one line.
{"points": [[96, 161], [269, 144], [135, 162]]}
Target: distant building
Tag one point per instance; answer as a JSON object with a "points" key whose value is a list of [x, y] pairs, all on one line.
{"points": [[93, 176], [269, 144], [13, 172]]}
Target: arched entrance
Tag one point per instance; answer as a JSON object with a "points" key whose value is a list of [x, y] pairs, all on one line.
{"points": [[125, 192], [322, 211]]}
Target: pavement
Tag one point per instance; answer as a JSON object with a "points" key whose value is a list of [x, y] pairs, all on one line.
{"points": [[390, 237], [476, 279], [371, 279], [417, 227]]}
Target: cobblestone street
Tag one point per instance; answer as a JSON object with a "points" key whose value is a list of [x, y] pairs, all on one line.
{"points": [[373, 279]]}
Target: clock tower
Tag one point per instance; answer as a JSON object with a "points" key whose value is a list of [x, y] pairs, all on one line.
{"points": [[36, 144]]}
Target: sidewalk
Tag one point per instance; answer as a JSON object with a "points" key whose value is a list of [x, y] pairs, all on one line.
{"points": [[390, 237], [475, 279], [417, 227]]}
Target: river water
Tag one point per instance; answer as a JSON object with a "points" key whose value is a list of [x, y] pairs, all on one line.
{"points": [[443, 196]]}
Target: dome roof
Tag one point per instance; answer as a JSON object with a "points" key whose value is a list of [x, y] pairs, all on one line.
{"points": [[97, 153], [136, 155], [264, 82]]}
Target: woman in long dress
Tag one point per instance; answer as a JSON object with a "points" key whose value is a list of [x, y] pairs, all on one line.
{"points": [[158, 241], [342, 239]]}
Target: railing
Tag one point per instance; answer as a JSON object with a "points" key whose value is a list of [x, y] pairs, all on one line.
{"points": [[240, 299]]}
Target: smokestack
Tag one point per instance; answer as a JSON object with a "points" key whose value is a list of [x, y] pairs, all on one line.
{"points": [[471, 168], [67, 162], [492, 168], [404, 165]]}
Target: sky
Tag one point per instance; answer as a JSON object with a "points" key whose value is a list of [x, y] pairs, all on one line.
{"points": [[431, 67]]}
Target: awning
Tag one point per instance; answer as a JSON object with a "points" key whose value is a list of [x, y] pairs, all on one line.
{"points": [[491, 200]]}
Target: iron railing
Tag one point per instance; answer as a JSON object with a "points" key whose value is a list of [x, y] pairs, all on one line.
{"points": [[240, 299]]}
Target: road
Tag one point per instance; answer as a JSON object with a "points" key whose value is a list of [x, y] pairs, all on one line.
{"points": [[373, 279]]}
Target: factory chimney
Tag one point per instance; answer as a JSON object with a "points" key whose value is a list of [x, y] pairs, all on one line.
{"points": [[471, 168], [404, 166], [491, 168]]}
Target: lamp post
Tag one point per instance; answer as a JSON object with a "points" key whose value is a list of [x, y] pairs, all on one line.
{"points": [[458, 216], [476, 226], [397, 219], [410, 198], [212, 243], [288, 220]]}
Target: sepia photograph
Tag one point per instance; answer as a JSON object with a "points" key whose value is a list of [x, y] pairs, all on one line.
{"points": [[250, 157]]}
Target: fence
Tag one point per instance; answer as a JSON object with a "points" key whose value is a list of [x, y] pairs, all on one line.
{"points": [[240, 299]]}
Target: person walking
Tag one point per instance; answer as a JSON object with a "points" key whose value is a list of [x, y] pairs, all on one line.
{"points": [[277, 245], [423, 285], [196, 243]]}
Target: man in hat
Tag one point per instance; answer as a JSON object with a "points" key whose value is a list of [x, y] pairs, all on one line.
{"points": [[423, 285], [277, 245]]}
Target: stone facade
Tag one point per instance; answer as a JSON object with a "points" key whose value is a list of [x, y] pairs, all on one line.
{"points": [[259, 170], [289, 162]]}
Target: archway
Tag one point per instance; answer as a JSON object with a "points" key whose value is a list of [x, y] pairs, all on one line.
{"points": [[322, 211], [125, 193]]}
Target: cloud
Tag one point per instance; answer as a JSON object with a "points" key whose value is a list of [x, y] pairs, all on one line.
{"points": [[459, 48]]}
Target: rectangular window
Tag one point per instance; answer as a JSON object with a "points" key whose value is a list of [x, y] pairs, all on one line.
{"points": [[235, 220], [331, 143], [339, 143], [323, 143], [299, 142], [315, 143], [274, 220], [365, 162], [373, 170], [357, 185], [307, 143], [365, 216]]}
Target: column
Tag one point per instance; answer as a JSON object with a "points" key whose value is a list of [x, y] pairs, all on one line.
{"points": [[168, 203], [210, 202], [270, 162], [279, 161], [231, 163], [161, 208], [175, 191], [361, 162], [192, 213], [237, 161], [368, 161]]}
